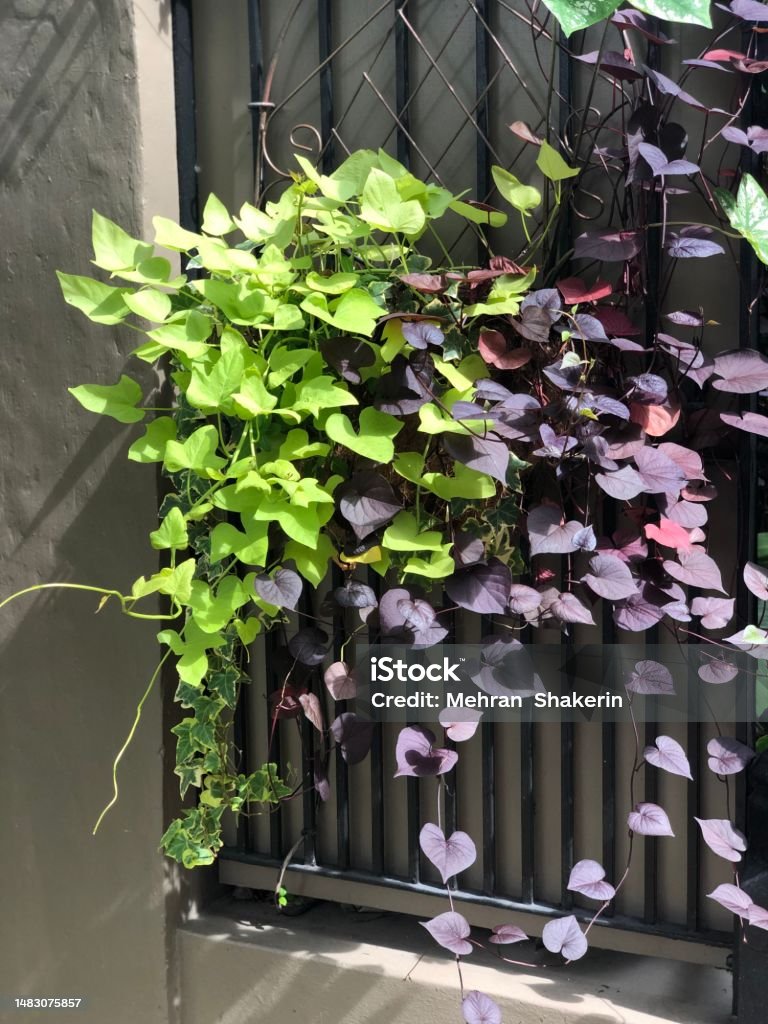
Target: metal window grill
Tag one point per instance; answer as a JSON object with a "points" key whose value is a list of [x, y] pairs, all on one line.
{"points": [[437, 83]]}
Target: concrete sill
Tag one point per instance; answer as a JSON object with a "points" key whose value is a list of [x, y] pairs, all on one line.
{"points": [[242, 963]]}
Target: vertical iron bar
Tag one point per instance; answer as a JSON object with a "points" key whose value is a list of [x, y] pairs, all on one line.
{"points": [[378, 859], [256, 62], [402, 86], [527, 807], [186, 127], [273, 748], [342, 770], [325, 40], [482, 110]]}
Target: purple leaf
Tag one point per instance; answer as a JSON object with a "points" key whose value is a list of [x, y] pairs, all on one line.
{"points": [[588, 878], [407, 385], [355, 595], [564, 936], [523, 599], [553, 445], [649, 387], [450, 856], [685, 246], [624, 484], [416, 756], [322, 785], [420, 622], [609, 577], [717, 671], [340, 680], [749, 10], [658, 472], [422, 333], [722, 838], [639, 22], [354, 736], [696, 569], [758, 917], [669, 88], [484, 454], [478, 1008], [639, 612], [651, 678], [506, 934], [467, 548], [727, 756], [568, 608], [612, 63], [589, 328], [607, 245], [732, 898], [715, 612], [481, 588], [309, 645], [460, 724], [685, 318], [649, 820], [756, 580], [367, 501], [565, 377], [547, 534], [450, 930], [427, 284], [751, 422], [659, 164], [585, 539], [669, 756], [347, 356], [282, 590], [743, 372]]}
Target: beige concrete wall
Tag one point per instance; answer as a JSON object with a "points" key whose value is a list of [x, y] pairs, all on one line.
{"points": [[86, 121]]}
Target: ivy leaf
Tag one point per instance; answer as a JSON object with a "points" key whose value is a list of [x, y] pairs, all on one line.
{"points": [[374, 440], [172, 532], [748, 213], [116, 400], [150, 447], [521, 197], [551, 164], [576, 16], [691, 12]]}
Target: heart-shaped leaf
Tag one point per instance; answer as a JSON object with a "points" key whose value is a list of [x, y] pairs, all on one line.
{"points": [[478, 1008], [732, 898], [651, 677], [727, 756], [309, 645], [506, 934], [649, 820], [564, 936], [341, 681], [416, 756], [450, 930], [354, 736], [282, 590], [668, 755], [481, 588], [367, 501], [374, 439], [609, 577], [460, 724], [588, 878], [756, 580], [450, 855], [722, 838]]}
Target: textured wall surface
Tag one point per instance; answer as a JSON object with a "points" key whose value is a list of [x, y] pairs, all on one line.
{"points": [[82, 915]]}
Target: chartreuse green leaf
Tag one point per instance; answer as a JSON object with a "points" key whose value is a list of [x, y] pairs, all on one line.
{"points": [[333, 284], [209, 391], [253, 399], [197, 453], [99, 302], [355, 312], [523, 197], [403, 534], [748, 213], [149, 303], [382, 206], [116, 400], [150, 447], [692, 12], [311, 562], [154, 271], [250, 547], [175, 582], [241, 302], [432, 420], [285, 362], [216, 219], [438, 566], [575, 15], [191, 650], [480, 214], [248, 630], [212, 611], [552, 165], [374, 437], [301, 524], [172, 532], [465, 483], [298, 446], [320, 393], [113, 248], [169, 235], [188, 335]]}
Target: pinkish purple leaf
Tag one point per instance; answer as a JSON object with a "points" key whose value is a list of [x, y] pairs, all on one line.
{"points": [[715, 612], [450, 930], [282, 590], [722, 838], [416, 756], [481, 588], [568, 608], [658, 472], [353, 735], [651, 678], [659, 164], [749, 10], [758, 917], [756, 580], [668, 755], [607, 245], [310, 704], [478, 1008], [588, 878], [506, 934], [484, 454], [450, 855], [695, 568], [750, 422], [523, 599], [727, 756], [742, 371], [460, 723], [609, 577], [340, 681], [623, 484], [649, 820], [717, 671], [732, 898], [547, 532], [564, 936]]}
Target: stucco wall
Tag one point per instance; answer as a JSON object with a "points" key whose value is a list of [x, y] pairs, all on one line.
{"points": [[85, 122]]}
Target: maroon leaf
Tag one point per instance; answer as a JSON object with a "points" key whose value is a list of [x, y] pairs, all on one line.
{"points": [[450, 855], [505, 934], [727, 756], [314, 713], [574, 290], [722, 838], [668, 755], [427, 284], [564, 936], [450, 930], [478, 1008], [651, 678], [609, 577], [588, 878], [742, 372], [649, 820], [732, 898], [696, 569]]}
